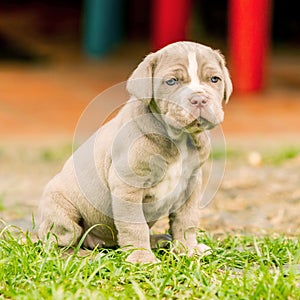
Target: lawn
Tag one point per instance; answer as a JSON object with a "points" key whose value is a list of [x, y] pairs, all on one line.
{"points": [[240, 267]]}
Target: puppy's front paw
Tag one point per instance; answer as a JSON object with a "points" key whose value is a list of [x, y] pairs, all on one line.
{"points": [[191, 250], [142, 257], [201, 249]]}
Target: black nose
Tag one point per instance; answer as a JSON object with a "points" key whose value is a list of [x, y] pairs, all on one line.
{"points": [[199, 100]]}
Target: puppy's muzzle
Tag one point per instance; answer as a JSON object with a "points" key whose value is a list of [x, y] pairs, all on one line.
{"points": [[200, 102]]}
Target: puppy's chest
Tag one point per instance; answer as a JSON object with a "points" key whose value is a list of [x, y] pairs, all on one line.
{"points": [[173, 189]]}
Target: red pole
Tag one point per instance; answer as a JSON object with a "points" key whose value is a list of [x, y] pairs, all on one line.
{"points": [[169, 21], [249, 22]]}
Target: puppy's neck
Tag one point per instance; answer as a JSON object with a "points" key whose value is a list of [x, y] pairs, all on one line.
{"points": [[153, 107], [173, 133]]}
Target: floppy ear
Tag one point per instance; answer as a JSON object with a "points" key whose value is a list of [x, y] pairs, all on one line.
{"points": [[227, 81], [228, 84], [140, 83]]}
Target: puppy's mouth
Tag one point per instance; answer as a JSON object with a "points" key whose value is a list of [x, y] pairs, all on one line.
{"points": [[204, 123], [201, 124]]}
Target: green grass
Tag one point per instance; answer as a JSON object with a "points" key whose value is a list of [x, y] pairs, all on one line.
{"points": [[1, 201], [220, 153], [52, 154], [240, 267], [280, 156], [270, 156]]}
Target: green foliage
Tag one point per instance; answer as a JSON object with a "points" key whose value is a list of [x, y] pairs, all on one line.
{"points": [[240, 267]]}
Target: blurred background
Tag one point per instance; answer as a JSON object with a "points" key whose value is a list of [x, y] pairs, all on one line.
{"points": [[56, 56]]}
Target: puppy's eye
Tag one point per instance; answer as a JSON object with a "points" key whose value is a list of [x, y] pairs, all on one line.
{"points": [[215, 79], [171, 81]]}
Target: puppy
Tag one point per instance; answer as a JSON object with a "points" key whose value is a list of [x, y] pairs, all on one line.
{"points": [[146, 162]]}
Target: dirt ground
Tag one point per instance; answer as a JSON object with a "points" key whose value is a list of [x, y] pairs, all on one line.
{"points": [[41, 103], [264, 197]]}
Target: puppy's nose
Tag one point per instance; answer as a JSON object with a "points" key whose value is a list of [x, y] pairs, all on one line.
{"points": [[199, 100]]}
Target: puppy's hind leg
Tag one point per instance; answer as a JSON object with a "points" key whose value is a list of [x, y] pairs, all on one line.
{"points": [[160, 240], [61, 218]]}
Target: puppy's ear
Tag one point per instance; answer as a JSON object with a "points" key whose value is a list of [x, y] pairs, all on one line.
{"points": [[227, 81], [228, 84], [140, 83]]}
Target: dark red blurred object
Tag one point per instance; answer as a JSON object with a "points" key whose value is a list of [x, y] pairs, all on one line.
{"points": [[249, 36], [169, 21]]}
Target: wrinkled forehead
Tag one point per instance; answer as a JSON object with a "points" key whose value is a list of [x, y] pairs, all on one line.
{"points": [[183, 57]]}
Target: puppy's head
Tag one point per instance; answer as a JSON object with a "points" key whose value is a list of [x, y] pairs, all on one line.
{"points": [[186, 83]]}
